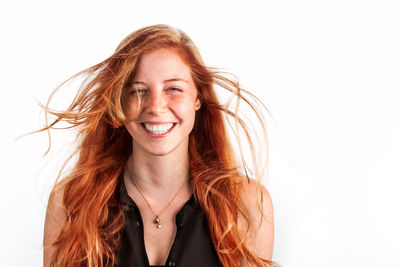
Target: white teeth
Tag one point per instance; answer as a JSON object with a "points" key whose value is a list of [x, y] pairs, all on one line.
{"points": [[158, 128]]}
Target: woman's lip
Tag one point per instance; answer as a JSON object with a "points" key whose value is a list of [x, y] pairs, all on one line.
{"points": [[157, 122], [158, 135]]}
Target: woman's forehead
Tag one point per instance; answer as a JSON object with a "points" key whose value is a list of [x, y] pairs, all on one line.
{"points": [[164, 64]]}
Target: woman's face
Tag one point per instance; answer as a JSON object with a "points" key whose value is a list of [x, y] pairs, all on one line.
{"points": [[168, 96]]}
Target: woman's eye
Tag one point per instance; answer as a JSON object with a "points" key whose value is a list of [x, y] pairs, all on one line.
{"points": [[175, 89], [137, 92]]}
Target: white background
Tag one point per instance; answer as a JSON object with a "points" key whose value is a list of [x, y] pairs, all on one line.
{"points": [[327, 70]]}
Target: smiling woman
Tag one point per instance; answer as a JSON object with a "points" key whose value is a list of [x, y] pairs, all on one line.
{"points": [[156, 182]]}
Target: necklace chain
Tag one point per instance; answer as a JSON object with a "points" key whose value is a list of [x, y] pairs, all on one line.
{"points": [[157, 220]]}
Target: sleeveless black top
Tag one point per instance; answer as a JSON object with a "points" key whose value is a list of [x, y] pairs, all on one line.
{"points": [[192, 245]]}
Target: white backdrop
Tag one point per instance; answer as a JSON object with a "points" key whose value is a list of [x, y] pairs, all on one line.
{"points": [[327, 70]]}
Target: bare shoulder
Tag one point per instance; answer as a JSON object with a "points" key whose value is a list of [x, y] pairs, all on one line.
{"points": [[261, 231], [55, 216]]}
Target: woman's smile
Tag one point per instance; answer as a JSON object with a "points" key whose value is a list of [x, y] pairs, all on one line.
{"points": [[158, 129]]}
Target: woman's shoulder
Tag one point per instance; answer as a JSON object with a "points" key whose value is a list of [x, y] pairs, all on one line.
{"points": [[55, 205], [254, 196], [55, 217], [257, 200]]}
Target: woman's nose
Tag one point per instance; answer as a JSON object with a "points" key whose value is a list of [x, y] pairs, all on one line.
{"points": [[155, 103]]}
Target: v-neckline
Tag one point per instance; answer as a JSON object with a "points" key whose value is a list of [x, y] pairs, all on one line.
{"points": [[188, 203]]}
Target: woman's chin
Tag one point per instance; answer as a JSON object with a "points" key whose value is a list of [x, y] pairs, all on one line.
{"points": [[158, 150]]}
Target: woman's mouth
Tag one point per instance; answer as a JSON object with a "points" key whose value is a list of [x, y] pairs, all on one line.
{"points": [[158, 129]]}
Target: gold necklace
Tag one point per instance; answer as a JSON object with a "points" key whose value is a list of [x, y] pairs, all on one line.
{"points": [[157, 220]]}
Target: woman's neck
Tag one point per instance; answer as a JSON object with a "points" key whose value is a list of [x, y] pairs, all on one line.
{"points": [[160, 173]]}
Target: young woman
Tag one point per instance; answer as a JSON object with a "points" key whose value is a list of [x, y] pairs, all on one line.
{"points": [[156, 182]]}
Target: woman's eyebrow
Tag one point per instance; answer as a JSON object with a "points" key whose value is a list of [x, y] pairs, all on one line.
{"points": [[176, 80], [165, 81], [138, 82]]}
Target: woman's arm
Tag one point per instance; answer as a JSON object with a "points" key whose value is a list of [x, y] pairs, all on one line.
{"points": [[261, 236], [55, 217]]}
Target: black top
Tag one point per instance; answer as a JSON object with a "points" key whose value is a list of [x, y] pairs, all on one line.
{"points": [[192, 245]]}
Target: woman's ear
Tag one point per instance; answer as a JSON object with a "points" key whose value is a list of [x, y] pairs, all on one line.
{"points": [[197, 105]]}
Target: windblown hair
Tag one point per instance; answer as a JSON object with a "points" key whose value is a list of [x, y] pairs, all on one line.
{"points": [[94, 220]]}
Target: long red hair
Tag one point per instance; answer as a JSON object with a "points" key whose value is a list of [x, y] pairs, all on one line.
{"points": [[94, 216]]}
